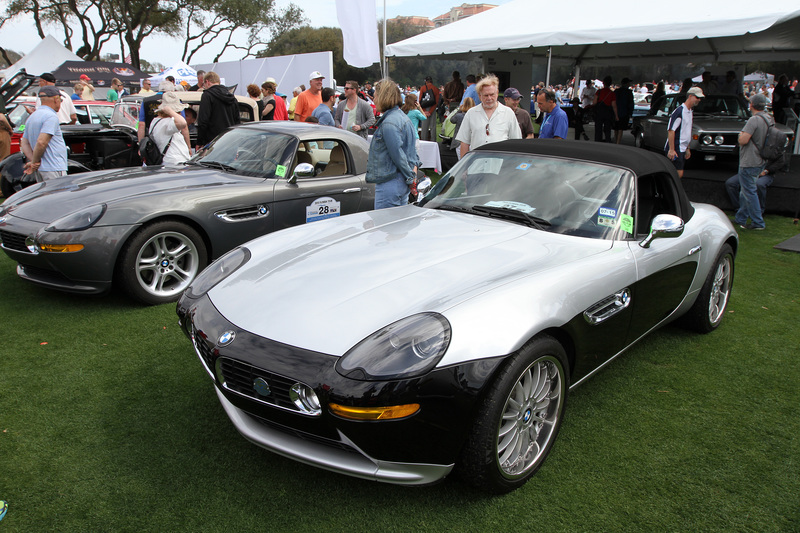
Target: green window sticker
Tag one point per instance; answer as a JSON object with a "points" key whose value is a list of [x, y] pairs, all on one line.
{"points": [[280, 171], [626, 223]]}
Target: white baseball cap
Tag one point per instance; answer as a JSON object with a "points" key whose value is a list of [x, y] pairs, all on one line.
{"points": [[316, 74]]}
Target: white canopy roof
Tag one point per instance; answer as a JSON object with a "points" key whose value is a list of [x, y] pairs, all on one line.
{"points": [[47, 56], [621, 32]]}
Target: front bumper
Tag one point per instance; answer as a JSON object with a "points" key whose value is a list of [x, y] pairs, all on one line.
{"points": [[89, 271], [419, 449], [339, 459]]}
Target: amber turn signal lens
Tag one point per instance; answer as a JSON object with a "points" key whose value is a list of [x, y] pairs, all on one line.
{"points": [[61, 247], [374, 413]]}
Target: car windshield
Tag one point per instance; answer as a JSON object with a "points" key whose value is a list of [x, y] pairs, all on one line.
{"points": [[716, 105], [249, 152], [126, 114], [726, 106], [18, 117], [548, 193]]}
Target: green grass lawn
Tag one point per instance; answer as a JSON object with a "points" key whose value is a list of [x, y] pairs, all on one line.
{"points": [[109, 423]]}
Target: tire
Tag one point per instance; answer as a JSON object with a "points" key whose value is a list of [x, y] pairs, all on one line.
{"points": [[160, 261], [708, 310], [523, 408]]}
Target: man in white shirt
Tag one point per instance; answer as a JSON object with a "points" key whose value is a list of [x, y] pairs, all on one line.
{"points": [[679, 130], [587, 94], [489, 122], [66, 113]]}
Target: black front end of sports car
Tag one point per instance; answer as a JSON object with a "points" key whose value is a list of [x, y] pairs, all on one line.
{"points": [[294, 402]]}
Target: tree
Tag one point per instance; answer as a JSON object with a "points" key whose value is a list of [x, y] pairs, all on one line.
{"points": [[211, 21], [405, 71], [307, 40], [91, 24]]}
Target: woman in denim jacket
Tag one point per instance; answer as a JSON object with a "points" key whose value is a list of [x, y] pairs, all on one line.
{"points": [[392, 162]]}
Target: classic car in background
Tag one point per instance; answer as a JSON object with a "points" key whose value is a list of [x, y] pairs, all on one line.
{"points": [[152, 230], [107, 144], [718, 119], [397, 345]]}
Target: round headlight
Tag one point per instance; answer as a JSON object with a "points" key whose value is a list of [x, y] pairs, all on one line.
{"points": [[706, 139], [408, 348], [218, 271], [718, 140], [78, 220]]}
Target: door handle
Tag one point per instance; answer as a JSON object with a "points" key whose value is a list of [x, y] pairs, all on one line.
{"points": [[356, 189]]}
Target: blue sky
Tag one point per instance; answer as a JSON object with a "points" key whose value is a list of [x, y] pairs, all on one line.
{"points": [[21, 36]]}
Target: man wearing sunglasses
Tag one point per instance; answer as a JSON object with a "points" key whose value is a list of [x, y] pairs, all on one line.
{"points": [[353, 113], [489, 122]]}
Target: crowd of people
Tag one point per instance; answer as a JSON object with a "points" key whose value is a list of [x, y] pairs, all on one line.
{"points": [[472, 112]]}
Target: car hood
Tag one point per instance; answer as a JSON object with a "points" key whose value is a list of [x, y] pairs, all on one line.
{"points": [[328, 285], [50, 200], [717, 123]]}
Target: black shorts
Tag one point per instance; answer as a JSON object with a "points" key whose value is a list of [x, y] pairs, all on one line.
{"points": [[679, 161]]}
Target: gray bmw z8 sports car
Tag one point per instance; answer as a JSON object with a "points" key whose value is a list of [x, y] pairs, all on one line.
{"points": [[398, 345], [152, 230]]}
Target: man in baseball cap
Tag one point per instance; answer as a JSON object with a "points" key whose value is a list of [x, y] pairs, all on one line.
{"points": [[511, 98], [679, 130], [309, 99], [66, 113], [42, 142]]}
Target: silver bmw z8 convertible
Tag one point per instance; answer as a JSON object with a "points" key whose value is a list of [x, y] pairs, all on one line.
{"points": [[402, 344]]}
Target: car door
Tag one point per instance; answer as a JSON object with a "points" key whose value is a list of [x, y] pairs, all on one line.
{"points": [[333, 190], [655, 127], [665, 270]]}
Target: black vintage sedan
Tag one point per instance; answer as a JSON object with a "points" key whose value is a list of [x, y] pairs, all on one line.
{"points": [[151, 231], [717, 121]]}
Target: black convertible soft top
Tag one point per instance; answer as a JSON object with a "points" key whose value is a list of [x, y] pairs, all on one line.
{"points": [[640, 162]]}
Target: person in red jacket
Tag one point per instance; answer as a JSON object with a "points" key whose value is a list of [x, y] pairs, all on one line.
{"points": [[428, 100]]}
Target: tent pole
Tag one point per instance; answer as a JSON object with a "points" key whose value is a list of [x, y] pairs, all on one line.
{"points": [[576, 85], [385, 64], [549, 59]]}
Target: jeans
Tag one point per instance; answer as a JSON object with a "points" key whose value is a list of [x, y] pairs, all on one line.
{"points": [[748, 197], [733, 187], [391, 193]]}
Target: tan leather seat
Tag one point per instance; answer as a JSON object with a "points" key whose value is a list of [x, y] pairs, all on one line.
{"points": [[337, 165]]}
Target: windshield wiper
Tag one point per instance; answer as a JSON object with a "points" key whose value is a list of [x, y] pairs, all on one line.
{"points": [[217, 164], [513, 214], [457, 208]]}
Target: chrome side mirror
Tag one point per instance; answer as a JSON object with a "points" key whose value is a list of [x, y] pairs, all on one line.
{"points": [[303, 170], [663, 227], [424, 187]]}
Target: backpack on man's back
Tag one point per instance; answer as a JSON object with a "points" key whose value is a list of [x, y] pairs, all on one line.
{"points": [[774, 146]]}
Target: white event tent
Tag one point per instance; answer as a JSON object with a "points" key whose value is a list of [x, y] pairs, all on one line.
{"points": [[46, 56], [513, 36], [180, 71]]}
